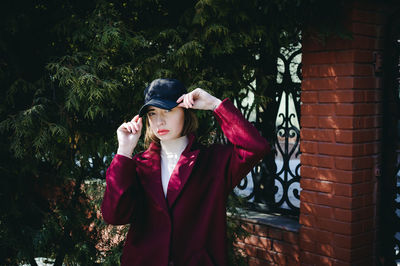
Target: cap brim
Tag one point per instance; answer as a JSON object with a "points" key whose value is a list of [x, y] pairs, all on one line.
{"points": [[163, 104]]}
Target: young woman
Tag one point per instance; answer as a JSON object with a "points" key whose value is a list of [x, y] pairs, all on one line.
{"points": [[174, 194]]}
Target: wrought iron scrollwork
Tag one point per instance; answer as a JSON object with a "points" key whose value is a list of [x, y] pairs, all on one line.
{"points": [[274, 185], [287, 178]]}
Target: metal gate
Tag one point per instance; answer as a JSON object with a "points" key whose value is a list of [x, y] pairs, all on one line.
{"points": [[274, 185]]}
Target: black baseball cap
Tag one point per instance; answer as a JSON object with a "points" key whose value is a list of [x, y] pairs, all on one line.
{"points": [[162, 93]]}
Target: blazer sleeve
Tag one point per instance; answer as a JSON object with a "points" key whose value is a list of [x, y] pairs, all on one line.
{"points": [[119, 197], [248, 146]]}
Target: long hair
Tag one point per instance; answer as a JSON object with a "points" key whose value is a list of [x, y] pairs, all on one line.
{"points": [[190, 125]]}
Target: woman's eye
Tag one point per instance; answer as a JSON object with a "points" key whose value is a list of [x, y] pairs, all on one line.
{"points": [[150, 114]]}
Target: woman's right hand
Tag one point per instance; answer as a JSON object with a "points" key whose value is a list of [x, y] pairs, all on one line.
{"points": [[128, 136]]}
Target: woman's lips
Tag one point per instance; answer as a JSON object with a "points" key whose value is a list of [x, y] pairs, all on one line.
{"points": [[162, 132]]}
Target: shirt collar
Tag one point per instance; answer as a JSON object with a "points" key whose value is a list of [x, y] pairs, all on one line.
{"points": [[174, 146]]}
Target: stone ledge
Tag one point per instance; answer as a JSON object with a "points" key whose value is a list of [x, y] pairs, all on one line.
{"points": [[272, 220]]}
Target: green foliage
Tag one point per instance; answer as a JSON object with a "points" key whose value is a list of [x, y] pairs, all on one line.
{"points": [[72, 71], [235, 209]]}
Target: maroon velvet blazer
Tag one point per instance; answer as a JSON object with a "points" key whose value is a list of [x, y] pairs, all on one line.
{"points": [[189, 226]]}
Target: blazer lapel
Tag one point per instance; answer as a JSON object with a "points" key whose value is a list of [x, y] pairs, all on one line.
{"points": [[150, 161], [181, 172]]}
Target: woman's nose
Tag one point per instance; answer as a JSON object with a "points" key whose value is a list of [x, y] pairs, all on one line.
{"points": [[160, 120]]}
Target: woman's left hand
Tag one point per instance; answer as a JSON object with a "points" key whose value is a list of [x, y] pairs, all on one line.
{"points": [[198, 99]]}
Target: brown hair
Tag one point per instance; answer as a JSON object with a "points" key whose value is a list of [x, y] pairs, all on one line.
{"points": [[190, 125]]}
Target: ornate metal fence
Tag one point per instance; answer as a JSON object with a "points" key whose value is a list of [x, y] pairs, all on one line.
{"points": [[274, 185]]}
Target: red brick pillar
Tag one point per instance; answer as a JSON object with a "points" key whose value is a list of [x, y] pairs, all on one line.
{"points": [[340, 141]]}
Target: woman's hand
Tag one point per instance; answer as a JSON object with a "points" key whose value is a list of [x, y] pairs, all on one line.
{"points": [[128, 136], [198, 99]]}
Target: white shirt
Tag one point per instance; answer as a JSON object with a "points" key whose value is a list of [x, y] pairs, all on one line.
{"points": [[171, 151]]}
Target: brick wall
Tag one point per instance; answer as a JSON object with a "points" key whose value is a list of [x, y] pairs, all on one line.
{"points": [[271, 241], [340, 143], [341, 120]]}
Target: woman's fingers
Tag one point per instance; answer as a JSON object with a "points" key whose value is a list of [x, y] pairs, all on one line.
{"points": [[134, 126], [180, 99], [191, 99], [188, 100], [185, 101], [135, 118], [131, 127]]}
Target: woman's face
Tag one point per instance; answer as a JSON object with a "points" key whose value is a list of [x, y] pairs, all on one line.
{"points": [[166, 124]]}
